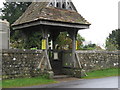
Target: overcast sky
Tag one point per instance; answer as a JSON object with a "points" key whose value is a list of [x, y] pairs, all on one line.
{"points": [[103, 16]]}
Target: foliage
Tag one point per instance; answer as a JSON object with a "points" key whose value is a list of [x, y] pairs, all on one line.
{"points": [[113, 40], [18, 41], [80, 41], [33, 40], [11, 12], [65, 42], [29, 40], [91, 46]]}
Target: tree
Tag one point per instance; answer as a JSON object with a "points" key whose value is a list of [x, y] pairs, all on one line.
{"points": [[65, 42], [90, 46], [33, 40], [12, 11], [80, 41], [113, 40], [30, 39]]}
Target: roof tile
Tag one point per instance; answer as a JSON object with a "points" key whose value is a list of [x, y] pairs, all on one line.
{"points": [[39, 10]]}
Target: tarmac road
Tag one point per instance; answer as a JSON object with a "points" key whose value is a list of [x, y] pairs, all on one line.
{"points": [[108, 82]]}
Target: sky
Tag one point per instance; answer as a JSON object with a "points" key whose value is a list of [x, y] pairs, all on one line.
{"points": [[103, 16]]}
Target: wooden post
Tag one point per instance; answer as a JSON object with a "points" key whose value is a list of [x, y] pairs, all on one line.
{"points": [[74, 48], [73, 35], [45, 36]]}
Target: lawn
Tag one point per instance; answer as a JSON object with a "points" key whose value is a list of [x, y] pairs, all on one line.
{"points": [[102, 73], [21, 82]]}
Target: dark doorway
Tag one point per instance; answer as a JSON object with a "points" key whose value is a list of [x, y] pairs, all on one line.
{"points": [[56, 61]]}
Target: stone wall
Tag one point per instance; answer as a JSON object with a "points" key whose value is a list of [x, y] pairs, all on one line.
{"points": [[89, 61], [95, 60], [22, 63], [29, 63]]}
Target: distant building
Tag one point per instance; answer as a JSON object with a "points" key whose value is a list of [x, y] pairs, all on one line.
{"points": [[4, 34]]}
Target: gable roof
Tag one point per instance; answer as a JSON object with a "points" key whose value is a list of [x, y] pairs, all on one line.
{"points": [[39, 11]]}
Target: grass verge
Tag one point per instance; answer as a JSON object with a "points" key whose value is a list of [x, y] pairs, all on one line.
{"points": [[102, 73], [22, 82]]}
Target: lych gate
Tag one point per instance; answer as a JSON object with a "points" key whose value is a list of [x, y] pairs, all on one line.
{"points": [[51, 18]]}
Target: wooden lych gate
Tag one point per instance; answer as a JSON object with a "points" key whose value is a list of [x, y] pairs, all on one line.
{"points": [[51, 18]]}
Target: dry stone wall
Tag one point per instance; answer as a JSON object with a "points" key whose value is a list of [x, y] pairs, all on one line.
{"points": [[29, 63], [95, 60], [21, 63], [89, 61]]}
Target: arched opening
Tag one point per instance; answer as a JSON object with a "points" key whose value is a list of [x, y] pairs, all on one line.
{"points": [[51, 4], [64, 6], [58, 4]]}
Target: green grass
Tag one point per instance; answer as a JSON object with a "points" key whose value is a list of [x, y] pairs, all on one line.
{"points": [[102, 73], [0, 83], [22, 82]]}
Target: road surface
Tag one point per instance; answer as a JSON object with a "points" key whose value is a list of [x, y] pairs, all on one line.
{"points": [[108, 82]]}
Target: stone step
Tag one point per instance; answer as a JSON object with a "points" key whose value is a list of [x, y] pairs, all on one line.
{"points": [[60, 76]]}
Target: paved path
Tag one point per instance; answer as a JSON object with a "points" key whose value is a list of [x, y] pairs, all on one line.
{"points": [[109, 82]]}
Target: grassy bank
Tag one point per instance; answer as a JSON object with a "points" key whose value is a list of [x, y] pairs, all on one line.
{"points": [[102, 73], [21, 82]]}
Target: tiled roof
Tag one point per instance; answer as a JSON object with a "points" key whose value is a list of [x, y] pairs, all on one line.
{"points": [[40, 11]]}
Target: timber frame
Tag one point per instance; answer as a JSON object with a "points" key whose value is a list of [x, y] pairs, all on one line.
{"points": [[50, 23]]}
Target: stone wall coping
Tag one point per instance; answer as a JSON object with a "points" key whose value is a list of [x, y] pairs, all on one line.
{"points": [[21, 51], [66, 51], [97, 51]]}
